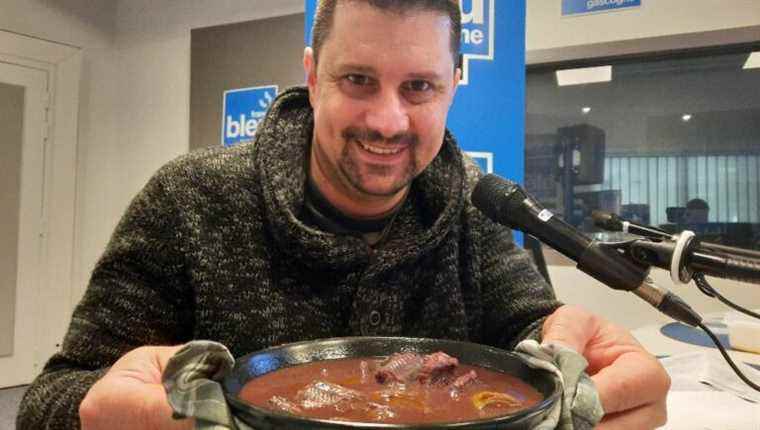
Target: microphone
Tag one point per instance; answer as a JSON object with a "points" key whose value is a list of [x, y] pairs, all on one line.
{"points": [[508, 204], [683, 254], [612, 222]]}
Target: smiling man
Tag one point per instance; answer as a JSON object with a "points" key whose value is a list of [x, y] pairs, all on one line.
{"points": [[380, 102], [348, 216]]}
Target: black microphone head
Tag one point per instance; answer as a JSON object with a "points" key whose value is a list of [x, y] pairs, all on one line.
{"points": [[607, 221], [492, 195], [508, 204]]}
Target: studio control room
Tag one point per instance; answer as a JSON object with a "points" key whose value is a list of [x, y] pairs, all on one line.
{"points": [[343, 214]]}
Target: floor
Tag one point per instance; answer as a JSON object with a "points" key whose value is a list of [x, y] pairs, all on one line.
{"points": [[9, 400]]}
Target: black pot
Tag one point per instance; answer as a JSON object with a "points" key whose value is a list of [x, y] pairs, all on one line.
{"points": [[268, 360]]}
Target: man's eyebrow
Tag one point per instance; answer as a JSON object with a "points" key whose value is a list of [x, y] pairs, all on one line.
{"points": [[360, 68], [427, 76]]}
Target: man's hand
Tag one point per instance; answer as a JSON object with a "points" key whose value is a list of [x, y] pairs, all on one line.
{"points": [[130, 395], [632, 384]]}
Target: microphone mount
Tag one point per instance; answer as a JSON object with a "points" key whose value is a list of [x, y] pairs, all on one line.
{"points": [[683, 254]]}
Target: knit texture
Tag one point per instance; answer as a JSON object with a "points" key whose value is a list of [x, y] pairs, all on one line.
{"points": [[214, 248]]}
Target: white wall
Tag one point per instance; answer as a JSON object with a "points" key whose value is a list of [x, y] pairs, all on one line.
{"points": [[656, 25], [75, 22]]}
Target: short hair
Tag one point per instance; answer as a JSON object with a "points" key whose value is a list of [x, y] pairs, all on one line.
{"points": [[323, 19], [697, 204]]}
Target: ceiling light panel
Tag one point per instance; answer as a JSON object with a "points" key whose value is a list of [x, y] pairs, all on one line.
{"points": [[585, 75]]}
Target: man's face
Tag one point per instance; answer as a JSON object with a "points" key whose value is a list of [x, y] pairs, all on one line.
{"points": [[380, 95]]}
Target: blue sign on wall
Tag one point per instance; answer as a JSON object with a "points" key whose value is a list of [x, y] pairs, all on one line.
{"points": [[575, 7], [242, 111], [477, 33], [488, 113]]}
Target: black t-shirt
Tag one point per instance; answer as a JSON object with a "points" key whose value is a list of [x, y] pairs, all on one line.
{"points": [[319, 212]]}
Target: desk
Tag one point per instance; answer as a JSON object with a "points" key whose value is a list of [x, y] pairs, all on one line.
{"points": [[660, 345], [694, 408]]}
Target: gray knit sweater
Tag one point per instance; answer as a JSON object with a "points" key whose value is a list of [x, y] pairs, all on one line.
{"points": [[214, 247]]}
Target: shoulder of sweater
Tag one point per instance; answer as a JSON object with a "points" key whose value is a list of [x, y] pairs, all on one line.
{"points": [[476, 218], [208, 164], [202, 182], [472, 172]]}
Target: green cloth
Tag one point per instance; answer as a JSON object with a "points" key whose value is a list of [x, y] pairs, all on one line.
{"points": [[192, 381], [580, 407]]}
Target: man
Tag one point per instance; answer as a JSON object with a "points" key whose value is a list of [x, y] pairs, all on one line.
{"points": [[697, 211], [349, 215]]}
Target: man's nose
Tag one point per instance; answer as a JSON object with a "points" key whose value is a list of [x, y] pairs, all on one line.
{"points": [[388, 114]]}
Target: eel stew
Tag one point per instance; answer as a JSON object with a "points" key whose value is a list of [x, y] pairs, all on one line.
{"points": [[405, 388]]}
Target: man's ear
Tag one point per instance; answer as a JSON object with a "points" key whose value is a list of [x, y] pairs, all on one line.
{"points": [[310, 69], [457, 78]]}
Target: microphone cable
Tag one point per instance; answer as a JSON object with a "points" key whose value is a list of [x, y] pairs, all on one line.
{"points": [[709, 291], [727, 357]]}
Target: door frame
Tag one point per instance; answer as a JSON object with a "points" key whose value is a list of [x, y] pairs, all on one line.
{"points": [[25, 324], [63, 63]]}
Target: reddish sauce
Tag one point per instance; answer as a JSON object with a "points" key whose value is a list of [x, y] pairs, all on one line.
{"points": [[348, 390]]}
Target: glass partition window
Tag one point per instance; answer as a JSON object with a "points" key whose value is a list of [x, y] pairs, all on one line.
{"points": [[673, 143]]}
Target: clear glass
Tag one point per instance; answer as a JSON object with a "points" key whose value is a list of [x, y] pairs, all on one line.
{"points": [[672, 143]]}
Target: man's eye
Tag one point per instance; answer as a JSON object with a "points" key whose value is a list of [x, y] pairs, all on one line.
{"points": [[360, 80], [418, 86]]}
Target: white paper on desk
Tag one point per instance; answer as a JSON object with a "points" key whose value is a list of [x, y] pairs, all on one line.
{"points": [[684, 371], [688, 372], [710, 410], [717, 373]]}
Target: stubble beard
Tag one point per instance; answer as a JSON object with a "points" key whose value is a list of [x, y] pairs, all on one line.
{"points": [[353, 173]]}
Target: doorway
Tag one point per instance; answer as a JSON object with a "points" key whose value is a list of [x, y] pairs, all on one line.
{"points": [[23, 106]]}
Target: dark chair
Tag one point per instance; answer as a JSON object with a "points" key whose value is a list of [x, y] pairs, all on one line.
{"points": [[533, 246]]}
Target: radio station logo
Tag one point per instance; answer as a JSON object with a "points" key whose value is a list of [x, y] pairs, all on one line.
{"points": [[477, 33], [243, 110]]}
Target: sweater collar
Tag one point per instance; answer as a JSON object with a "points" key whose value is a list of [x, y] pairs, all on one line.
{"points": [[281, 152]]}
